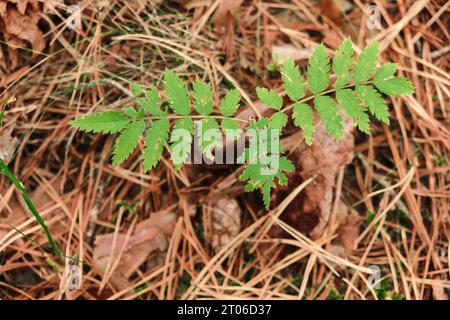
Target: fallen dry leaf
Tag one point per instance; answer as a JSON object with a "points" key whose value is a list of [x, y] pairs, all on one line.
{"points": [[225, 10], [19, 22], [439, 293], [348, 230], [332, 9], [150, 236], [346, 227], [310, 211], [324, 159]]}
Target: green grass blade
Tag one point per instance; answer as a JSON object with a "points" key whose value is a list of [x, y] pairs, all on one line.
{"points": [[32, 208]]}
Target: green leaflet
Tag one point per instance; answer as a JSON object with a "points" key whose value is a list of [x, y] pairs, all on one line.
{"points": [[366, 63], [390, 85], [230, 103], [203, 97], [150, 102], [270, 98], [278, 121], [105, 122], [266, 187], [386, 71], [135, 89], [130, 112], [348, 100], [329, 115], [292, 80], [396, 86], [265, 162], [210, 136], [181, 141], [260, 124], [176, 93], [318, 70], [342, 62], [262, 176], [127, 141], [372, 99], [156, 137], [304, 118], [231, 128]]}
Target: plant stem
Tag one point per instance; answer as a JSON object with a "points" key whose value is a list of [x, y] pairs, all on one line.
{"points": [[4, 168], [287, 108], [192, 117], [284, 110]]}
